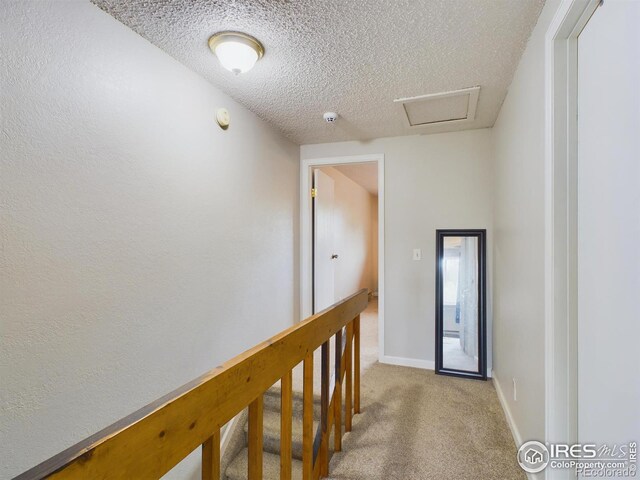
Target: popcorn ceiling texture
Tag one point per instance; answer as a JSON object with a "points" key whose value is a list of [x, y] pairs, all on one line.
{"points": [[353, 57]]}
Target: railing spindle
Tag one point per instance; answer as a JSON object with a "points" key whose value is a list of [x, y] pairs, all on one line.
{"points": [[323, 456], [338, 394], [348, 389], [356, 365], [286, 407], [211, 457], [307, 418], [255, 438]]}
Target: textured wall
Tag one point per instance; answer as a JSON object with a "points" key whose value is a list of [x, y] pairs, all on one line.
{"points": [[140, 244], [431, 182], [519, 238]]}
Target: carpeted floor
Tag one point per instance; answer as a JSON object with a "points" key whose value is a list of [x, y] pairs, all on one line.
{"points": [[416, 425]]}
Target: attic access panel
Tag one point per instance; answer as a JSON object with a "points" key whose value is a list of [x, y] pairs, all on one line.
{"points": [[441, 108]]}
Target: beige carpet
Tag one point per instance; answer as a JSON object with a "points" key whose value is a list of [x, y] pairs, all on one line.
{"points": [[418, 425], [414, 425]]}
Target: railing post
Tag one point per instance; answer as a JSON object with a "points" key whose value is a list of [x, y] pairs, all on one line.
{"points": [[323, 456], [348, 389], [255, 438], [307, 418], [285, 425], [356, 365], [211, 457], [338, 394]]}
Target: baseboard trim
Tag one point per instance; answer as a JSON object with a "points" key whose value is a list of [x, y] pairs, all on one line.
{"points": [[515, 433], [507, 412], [414, 363], [408, 362]]}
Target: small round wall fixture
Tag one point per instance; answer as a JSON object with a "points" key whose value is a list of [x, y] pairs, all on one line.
{"points": [[223, 118], [237, 51]]}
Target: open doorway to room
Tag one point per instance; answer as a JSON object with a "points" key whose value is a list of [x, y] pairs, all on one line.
{"points": [[345, 232], [342, 247]]}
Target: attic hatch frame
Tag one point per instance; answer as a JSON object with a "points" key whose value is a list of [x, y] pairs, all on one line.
{"points": [[473, 93]]}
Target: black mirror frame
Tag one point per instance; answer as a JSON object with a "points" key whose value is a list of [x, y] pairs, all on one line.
{"points": [[482, 303]]}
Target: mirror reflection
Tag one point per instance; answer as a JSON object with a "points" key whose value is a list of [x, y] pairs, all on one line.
{"points": [[460, 304]]}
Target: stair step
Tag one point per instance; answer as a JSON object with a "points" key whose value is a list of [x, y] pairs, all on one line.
{"points": [[237, 470], [272, 402], [271, 433]]}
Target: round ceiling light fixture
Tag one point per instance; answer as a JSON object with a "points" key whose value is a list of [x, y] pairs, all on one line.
{"points": [[237, 51]]}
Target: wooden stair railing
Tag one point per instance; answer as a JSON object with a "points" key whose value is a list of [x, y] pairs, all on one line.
{"points": [[150, 442]]}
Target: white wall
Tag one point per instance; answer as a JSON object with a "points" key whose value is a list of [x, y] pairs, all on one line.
{"points": [[431, 182], [518, 299], [354, 234], [140, 247]]}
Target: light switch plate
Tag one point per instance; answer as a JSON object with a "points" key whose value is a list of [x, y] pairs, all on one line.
{"points": [[417, 254]]}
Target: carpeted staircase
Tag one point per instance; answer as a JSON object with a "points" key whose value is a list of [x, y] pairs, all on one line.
{"points": [[237, 468]]}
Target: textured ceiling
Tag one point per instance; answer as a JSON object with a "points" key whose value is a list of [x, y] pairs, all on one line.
{"points": [[350, 56], [364, 174]]}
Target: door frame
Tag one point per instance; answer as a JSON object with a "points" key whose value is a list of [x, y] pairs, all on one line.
{"points": [[561, 145], [306, 237]]}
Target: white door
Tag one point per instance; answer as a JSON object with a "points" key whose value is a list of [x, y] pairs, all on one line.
{"points": [[609, 225], [324, 255]]}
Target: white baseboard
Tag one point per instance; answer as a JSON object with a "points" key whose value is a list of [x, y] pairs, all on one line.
{"points": [[413, 362], [507, 412], [407, 362], [512, 424]]}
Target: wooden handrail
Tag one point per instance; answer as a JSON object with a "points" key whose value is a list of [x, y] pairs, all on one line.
{"points": [[150, 442]]}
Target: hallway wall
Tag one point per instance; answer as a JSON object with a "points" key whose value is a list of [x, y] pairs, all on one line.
{"points": [[519, 230], [431, 182], [354, 209], [140, 246]]}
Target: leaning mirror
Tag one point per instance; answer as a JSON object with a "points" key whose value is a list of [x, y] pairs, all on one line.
{"points": [[461, 303]]}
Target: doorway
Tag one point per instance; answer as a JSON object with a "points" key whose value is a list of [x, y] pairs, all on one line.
{"points": [[342, 241], [608, 224], [591, 223]]}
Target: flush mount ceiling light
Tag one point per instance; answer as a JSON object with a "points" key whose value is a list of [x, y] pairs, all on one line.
{"points": [[237, 52]]}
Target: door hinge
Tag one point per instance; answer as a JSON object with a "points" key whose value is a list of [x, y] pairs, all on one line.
{"points": [[314, 192]]}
